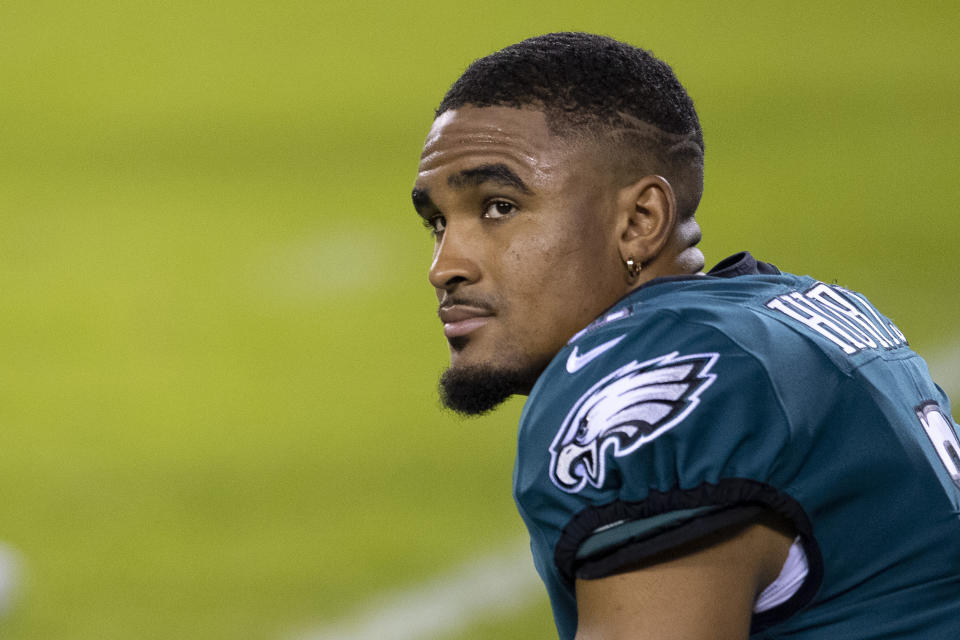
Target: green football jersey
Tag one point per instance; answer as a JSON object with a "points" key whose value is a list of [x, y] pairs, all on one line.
{"points": [[698, 403]]}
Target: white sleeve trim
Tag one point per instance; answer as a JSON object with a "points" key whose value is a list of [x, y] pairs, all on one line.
{"points": [[792, 575]]}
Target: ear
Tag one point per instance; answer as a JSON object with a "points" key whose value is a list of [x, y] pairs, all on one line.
{"points": [[647, 216]]}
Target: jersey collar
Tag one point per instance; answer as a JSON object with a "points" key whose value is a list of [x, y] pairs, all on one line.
{"points": [[739, 264]]}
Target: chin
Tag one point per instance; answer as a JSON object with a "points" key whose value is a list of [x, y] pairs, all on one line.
{"points": [[475, 389]]}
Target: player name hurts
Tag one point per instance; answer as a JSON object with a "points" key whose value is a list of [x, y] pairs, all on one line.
{"points": [[840, 316]]}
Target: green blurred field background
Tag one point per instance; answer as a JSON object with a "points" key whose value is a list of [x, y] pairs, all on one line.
{"points": [[219, 345]]}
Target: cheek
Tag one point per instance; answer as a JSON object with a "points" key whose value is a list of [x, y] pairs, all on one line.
{"points": [[529, 266], [561, 271]]}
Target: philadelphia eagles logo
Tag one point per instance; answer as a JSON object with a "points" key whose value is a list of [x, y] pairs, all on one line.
{"points": [[628, 408]]}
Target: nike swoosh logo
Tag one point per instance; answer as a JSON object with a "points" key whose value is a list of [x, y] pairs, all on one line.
{"points": [[578, 361]]}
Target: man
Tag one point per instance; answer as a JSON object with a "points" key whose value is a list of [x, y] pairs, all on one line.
{"points": [[739, 453]]}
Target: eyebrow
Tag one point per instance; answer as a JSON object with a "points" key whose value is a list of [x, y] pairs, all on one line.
{"points": [[498, 173]]}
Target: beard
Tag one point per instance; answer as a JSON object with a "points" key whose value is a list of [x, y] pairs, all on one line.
{"points": [[475, 390]]}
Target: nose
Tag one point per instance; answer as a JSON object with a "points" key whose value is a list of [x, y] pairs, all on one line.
{"points": [[454, 263]]}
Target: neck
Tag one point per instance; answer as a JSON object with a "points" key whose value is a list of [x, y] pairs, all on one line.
{"points": [[690, 261], [680, 257]]}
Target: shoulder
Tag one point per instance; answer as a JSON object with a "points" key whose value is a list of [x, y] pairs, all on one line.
{"points": [[701, 389], [701, 405], [653, 430]]}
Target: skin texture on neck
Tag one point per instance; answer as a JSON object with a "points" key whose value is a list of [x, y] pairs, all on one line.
{"points": [[682, 256]]}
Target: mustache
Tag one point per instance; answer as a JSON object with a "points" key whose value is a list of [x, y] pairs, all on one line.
{"points": [[485, 304]]}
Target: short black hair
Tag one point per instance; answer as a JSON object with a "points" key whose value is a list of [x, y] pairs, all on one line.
{"points": [[588, 82]]}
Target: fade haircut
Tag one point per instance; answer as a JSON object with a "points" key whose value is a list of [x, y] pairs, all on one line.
{"points": [[595, 86]]}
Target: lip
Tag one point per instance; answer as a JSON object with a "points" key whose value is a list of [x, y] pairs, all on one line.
{"points": [[459, 320]]}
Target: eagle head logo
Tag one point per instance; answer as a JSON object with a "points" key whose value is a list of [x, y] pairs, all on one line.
{"points": [[626, 409]]}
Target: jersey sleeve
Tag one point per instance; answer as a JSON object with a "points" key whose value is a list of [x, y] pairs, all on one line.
{"points": [[637, 441]]}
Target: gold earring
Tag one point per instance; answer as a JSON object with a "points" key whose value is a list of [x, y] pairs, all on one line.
{"points": [[633, 268]]}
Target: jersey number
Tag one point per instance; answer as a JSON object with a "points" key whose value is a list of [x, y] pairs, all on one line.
{"points": [[944, 438]]}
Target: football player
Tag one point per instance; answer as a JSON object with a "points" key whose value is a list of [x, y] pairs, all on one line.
{"points": [[703, 455]]}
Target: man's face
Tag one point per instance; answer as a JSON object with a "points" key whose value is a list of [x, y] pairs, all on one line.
{"points": [[526, 249]]}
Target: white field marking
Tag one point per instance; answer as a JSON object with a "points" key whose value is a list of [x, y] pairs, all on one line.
{"points": [[484, 587], [11, 569], [329, 264], [497, 583]]}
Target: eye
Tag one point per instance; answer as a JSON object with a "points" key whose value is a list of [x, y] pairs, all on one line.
{"points": [[435, 225], [581, 429], [497, 209]]}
